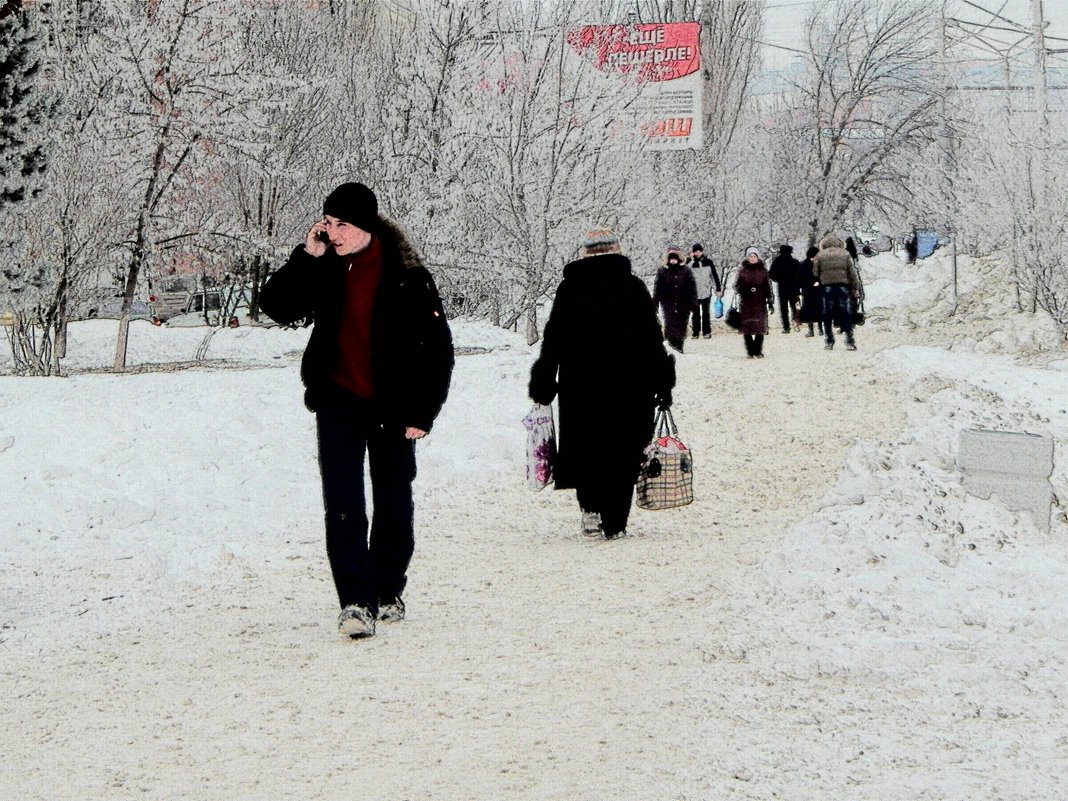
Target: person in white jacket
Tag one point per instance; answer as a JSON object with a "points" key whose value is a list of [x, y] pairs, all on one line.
{"points": [[704, 274]]}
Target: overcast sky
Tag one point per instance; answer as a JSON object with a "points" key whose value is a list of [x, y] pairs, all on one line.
{"points": [[785, 18]]}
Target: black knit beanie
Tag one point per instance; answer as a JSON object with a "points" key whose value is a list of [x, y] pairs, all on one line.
{"points": [[354, 203]]}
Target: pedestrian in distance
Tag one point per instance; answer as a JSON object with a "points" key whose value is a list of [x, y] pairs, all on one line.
{"points": [[706, 279], [811, 300], [851, 249], [756, 302], [785, 272], [675, 294], [376, 372], [833, 268], [608, 387]]}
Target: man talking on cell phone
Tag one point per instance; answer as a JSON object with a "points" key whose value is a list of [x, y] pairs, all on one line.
{"points": [[376, 373]]}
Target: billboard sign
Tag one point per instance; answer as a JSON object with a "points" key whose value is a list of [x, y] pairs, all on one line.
{"points": [[663, 60]]}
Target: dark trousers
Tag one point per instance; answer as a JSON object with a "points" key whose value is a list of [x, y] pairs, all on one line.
{"points": [[702, 318], [836, 312], [754, 344], [610, 495], [366, 572], [787, 308]]}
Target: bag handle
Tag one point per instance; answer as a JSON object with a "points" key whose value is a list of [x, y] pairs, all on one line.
{"points": [[665, 424]]}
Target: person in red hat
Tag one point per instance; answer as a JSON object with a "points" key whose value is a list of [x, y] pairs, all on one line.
{"points": [[376, 372]]}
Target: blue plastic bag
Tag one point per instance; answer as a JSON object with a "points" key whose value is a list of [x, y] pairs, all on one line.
{"points": [[717, 308]]}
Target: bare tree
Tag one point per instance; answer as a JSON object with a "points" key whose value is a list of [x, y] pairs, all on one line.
{"points": [[730, 61], [867, 100], [183, 88], [552, 162]]}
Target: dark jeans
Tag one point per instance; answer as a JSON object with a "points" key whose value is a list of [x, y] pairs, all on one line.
{"points": [[754, 344], [702, 317], [787, 308], [365, 573], [836, 311]]}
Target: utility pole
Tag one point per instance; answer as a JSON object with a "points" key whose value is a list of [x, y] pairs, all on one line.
{"points": [[1038, 25], [949, 157], [1040, 149]]}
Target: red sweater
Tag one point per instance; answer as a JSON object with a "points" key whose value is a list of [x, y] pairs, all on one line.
{"points": [[361, 285]]}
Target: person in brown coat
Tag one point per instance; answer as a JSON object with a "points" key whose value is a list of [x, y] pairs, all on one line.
{"points": [[834, 270], [756, 300]]}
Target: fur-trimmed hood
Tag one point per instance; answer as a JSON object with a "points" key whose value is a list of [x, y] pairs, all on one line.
{"points": [[831, 241], [391, 230]]}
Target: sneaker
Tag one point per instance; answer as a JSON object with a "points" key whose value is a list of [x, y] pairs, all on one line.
{"points": [[694, 336], [810, 334], [829, 346], [356, 622], [616, 535], [391, 611], [707, 336], [851, 346], [591, 525]]}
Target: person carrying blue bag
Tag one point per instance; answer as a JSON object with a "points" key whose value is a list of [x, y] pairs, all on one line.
{"points": [[704, 275]]}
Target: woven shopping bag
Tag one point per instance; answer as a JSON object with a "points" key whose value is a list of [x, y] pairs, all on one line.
{"points": [[541, 446], [666, 479]]}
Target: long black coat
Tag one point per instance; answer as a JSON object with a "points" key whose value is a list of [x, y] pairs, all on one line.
{"points": [[675, 291], [411, 345], [604, 353], [811, 302]]}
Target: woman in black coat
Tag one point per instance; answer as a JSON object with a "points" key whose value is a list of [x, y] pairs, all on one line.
{"points": [[609, 386], [675, 292], [811, 302], [756, 300]]}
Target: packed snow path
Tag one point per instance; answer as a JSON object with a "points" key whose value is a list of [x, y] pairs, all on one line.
{"points": [[169, 631]]}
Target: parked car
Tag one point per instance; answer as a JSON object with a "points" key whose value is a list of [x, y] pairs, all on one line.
{"points": [[105, 302], [172, 297], [112, 310], [178, 297]]}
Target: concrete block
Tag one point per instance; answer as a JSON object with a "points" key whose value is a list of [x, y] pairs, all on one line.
{"points": [[1014, 466]]}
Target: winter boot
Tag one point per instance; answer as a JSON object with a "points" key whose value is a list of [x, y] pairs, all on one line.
{"points": [[391, 611], [591, 526], [356, 622]]}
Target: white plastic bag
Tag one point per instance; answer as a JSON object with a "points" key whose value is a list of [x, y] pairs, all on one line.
{"points": [[541, 446]]}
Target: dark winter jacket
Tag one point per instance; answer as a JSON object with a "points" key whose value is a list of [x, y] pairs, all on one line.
{"points": [[411, 345], [785, 272], [833, 266], [675, 291], [754, 296], [704, 276], [603, 352], [811, 303]]}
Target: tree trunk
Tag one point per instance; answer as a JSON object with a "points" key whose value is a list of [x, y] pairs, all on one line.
{"points": [[532, 326]]}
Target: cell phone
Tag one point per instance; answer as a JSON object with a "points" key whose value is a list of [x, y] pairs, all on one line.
{"points": [[323, 237]]}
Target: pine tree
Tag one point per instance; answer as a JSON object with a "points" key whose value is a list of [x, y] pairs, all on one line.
{"points": [[23, 106]]}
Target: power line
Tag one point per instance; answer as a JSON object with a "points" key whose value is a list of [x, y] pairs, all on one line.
{"points": [[996, 15], [1003, 4]]}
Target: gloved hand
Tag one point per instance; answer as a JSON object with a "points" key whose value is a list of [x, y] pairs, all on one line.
{"points": [[663, 399], [542, 387]]}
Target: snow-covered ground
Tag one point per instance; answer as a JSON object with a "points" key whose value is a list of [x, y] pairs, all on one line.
{"points": [[834, 617]]}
